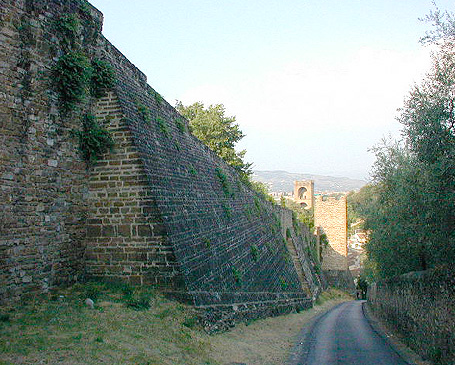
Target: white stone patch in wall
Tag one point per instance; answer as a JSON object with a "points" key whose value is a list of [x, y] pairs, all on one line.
{"points": [[50, 141], [52, 163], [8, 176]]}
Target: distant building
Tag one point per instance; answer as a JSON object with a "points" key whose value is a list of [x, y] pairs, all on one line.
{"points": [[304, 193], [356, 250], [358, 239]]}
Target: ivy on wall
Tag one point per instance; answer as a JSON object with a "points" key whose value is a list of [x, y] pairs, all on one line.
{"points": [[103, 77], [94, 140], [71, 75], [74, 78]]}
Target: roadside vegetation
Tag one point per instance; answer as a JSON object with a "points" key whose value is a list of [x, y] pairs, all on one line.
{"points": [[409, 208], [137, 326], [126, 326]]}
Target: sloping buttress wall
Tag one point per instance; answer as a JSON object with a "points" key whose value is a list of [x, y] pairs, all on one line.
{"points": [[225, 237], [161, 208], [126, 239]]}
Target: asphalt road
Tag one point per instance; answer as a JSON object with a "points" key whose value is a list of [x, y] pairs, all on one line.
{"points": [[344, 336]]}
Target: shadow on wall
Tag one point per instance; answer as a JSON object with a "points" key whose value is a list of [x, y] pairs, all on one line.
{"points": [[421, 307], [337, 273]]}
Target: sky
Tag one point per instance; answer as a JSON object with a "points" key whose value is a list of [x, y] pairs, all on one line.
{"points": [[313, 84]]}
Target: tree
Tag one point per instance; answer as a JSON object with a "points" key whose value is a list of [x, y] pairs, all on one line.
{"points": [[219, 132], [357, 203], [410, 206], [443, 26], [412, 214]]}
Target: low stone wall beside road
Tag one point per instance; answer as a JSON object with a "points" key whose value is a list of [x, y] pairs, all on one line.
{"points": [[421, 307]]}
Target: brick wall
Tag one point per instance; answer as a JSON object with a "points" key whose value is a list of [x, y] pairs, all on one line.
{"points": [[126, 238], [211, 222]]}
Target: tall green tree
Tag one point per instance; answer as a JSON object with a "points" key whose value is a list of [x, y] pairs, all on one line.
{"points": [[218, 131], [412, 211]]}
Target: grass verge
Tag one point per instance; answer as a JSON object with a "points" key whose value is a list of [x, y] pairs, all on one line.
{"points": [[126, 326], [140, 327]]}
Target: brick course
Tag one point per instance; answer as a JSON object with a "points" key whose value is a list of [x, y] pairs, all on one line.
{"points": [[126, 239]]}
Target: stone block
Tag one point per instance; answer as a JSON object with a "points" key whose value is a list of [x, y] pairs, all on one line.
{"points": [[93, 231], [144, 230], [124, 230], [108, 231]]}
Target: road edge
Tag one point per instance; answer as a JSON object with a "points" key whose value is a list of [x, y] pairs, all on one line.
{"points": [[406, 353]]}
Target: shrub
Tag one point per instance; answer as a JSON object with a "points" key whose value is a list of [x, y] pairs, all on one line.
{"points": [[103, 77], [225, 185], [143, 111], [180, 125], [162, 125], [71, 75], [190, 322], [237, 275], [158, 98], [94, 140], [254, 252], [283, 283]]}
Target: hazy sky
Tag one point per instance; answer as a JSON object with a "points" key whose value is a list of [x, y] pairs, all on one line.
{"points": [[313, 83]]}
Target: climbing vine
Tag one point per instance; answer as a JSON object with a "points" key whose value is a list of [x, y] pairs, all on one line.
{"points": [[103, 77], [225, 185], [71, 75], [67, 28], [94, 140]]}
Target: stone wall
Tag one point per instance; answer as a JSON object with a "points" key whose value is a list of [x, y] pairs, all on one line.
{"points": [[160, 208], [43, 180], [126, 238], [300, 242], [421, 308], [331, 215]]}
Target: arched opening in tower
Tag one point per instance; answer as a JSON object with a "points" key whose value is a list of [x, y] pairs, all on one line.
{"points": [[302, 192]]}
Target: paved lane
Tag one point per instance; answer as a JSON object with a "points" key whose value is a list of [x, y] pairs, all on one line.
{"points": [[344, 336]]}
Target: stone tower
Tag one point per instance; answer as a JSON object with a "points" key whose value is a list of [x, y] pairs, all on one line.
{"points": [[304, 193], [331, 215]]}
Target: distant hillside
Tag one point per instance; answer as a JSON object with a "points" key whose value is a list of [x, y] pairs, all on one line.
{"points": [[283, 181]]}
